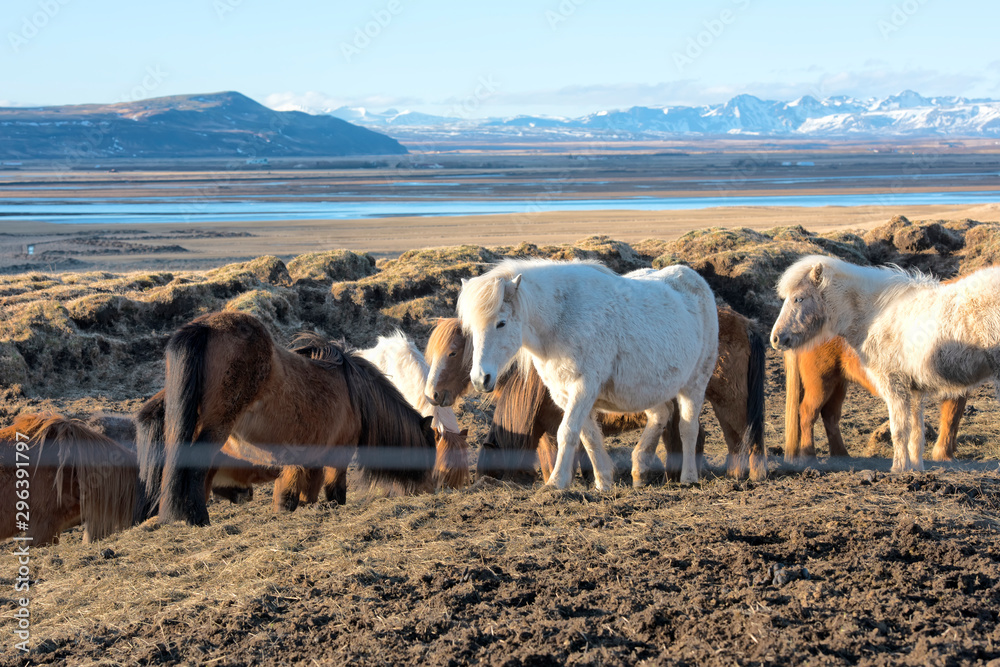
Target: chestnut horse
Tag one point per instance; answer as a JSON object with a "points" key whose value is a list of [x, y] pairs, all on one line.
{"points": [[56, 473], [303, 409], [816, 384], [526, 419]]}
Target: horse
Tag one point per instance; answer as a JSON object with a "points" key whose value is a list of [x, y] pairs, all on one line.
{"points": [[816, 384], [310, 407], [405, 366], [56, 473], [912, 334], [598, 341], [525, 418]]}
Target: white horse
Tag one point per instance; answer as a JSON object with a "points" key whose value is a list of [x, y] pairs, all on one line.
{"points": [[400, 360], [914, 335], [599, 341]]}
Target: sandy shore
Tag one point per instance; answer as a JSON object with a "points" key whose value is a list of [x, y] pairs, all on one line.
{"points": [[392, 236]]}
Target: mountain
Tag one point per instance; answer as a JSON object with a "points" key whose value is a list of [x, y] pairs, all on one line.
{"points": [[905, 114], [226, 125]]}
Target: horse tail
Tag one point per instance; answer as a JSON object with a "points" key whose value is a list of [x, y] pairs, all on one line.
{"points": [[753, 438], [397, 444], [149, 445], [793, 398], [182, 393], [104, 473]]}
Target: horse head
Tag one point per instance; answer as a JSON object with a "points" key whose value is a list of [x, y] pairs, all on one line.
{"points": [[804, 313], [488, 309], [450, 359]]}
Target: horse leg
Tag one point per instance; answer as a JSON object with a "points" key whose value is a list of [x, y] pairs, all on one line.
{"points": [[916, 442], [951, 414], [335, 485], [287, 488], [898, 404], [604, 467], [314, 482], [690, 409], [831, 412], [577, 412], [658, 418]]}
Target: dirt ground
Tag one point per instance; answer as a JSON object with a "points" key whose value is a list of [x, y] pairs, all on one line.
{"points": [[838, 564]]}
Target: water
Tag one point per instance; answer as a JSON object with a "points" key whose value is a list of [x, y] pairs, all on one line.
{"points": [[166, 209]]}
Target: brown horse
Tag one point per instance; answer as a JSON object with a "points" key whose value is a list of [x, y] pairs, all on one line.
{"points": [[56, 473], [526, 419], [816, 384], [299, 409]]}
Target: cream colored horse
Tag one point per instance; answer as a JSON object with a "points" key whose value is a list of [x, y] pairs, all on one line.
{"points": [[913, 335], [599, 341]]}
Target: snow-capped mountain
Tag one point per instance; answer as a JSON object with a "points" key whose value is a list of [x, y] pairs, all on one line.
{"points": [[905, 114]]}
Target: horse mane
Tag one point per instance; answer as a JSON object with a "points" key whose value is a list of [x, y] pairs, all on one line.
{"points": [[103, 471], [482, 297], [324, 352], [891, 278], [387, 420]]}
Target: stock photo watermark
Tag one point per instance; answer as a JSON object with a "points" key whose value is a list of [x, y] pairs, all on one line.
{"points": [[712, 30], [95, 134], [364, 35], [22, 553], [899, 16], [562, 13], [32, 24], [224, 8]]}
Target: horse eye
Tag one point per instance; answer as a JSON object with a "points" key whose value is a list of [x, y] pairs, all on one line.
{"points": [[501, 324], [452, 353], [798, 299]]}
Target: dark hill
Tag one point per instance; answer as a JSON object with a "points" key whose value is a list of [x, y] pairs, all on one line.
{"points": [[182, 126]]}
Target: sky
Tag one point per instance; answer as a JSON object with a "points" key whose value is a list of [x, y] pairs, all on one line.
{"points": [[475, 59]]}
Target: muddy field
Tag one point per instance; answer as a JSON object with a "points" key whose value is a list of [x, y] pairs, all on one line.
{"points": [[837, 563]]}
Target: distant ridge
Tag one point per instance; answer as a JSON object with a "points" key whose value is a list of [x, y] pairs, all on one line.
{"points": [[905, 115], [217, 125]]}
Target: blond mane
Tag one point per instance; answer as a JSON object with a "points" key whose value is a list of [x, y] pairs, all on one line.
{"points": [[892, 277]]}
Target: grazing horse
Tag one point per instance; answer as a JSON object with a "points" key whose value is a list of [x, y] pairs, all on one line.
{"points": [[310, 408], [525, 419], [816, 384], [599, 340], [913, 335], [405, 366], [65, 474]]}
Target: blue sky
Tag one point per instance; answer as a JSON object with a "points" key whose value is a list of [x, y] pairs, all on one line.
{"points": [[564, 57]]}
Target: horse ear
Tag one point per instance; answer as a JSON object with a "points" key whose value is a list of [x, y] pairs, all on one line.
{"points": [[465, 281], [816, 275], [464, 433], [511, 288]]}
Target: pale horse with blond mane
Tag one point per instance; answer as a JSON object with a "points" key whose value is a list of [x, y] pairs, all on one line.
{"points": [[914, 335], [599, 341]]}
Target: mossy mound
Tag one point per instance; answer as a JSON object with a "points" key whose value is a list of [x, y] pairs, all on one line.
{"points": [[331, 266], [102, 333], [743, 265]]}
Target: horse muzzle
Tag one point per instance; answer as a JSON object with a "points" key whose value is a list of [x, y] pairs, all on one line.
{"points": [[484, 383]]}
